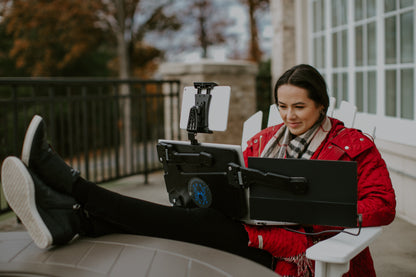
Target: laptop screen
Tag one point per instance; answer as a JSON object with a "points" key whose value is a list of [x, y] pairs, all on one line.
{"points": [[330, 199]]}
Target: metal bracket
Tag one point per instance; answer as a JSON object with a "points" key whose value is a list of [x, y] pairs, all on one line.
{"points": [[245, 177]]}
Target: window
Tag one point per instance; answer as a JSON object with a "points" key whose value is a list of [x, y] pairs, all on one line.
{"points": [[319, 34], [406, 96], [371, 60], [340, 60], [390, 98], [365, 36], [399, 58]]}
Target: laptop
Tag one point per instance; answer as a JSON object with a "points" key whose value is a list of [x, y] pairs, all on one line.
{"points": [[329, 199], [199, 176]]}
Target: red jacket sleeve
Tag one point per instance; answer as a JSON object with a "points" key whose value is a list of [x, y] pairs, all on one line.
{"points": [[375, 194], [376, 197]]}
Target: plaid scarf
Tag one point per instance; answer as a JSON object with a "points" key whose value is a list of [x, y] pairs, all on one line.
{"points": [[284, 145]]}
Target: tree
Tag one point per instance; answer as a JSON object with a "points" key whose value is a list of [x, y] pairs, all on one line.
{"points": [[7, 68], [121, 18], [50, 37], [209, 23], [210, 27], [254, 7], [204, 24], [47, 40]]}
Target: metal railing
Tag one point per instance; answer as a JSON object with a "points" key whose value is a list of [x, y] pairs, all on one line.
{"points": [[106, 128]]}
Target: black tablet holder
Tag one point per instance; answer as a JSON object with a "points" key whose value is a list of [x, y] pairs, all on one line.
{"points": [[196, 176], [198, 114]]}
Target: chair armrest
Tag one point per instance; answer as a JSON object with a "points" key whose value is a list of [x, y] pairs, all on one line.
{"points": [[333, 255]]}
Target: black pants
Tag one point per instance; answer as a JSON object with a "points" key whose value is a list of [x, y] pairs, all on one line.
{"points": [[109, 212]]}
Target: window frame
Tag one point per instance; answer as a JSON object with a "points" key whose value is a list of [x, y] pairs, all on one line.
{"points": [[387, 126]]}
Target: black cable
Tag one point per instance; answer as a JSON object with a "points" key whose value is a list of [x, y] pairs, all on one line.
{"points": [[329, 231]]}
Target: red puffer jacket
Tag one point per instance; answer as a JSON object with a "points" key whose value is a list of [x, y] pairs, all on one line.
{"points": [[376, 200]]}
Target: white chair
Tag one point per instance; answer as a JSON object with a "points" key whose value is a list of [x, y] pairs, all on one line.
{"points": [[366, 124], [346, 113], [369, 129], [251, 127], [332, 256], [331, 107], [274, 116]]}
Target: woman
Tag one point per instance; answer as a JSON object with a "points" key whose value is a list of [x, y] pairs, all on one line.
{"points": [[308, 133], [55, 204]]}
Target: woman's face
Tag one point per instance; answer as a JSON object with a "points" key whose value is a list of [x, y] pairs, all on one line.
{"points": [[298, 111]]}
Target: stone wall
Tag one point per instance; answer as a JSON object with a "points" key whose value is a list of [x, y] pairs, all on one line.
{"points": [[239, 75]]}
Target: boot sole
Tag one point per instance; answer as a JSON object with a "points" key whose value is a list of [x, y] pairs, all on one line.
{"points": [[28, 141], [19, 191]]}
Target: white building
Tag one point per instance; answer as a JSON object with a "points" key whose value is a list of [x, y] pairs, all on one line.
{"points": [[366, 51]]}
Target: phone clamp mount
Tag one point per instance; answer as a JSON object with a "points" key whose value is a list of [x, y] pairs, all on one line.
{"points": [[198, 114]]}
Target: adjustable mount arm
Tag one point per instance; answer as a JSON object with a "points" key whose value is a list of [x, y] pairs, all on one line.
{"points": [[198, 114], [167, 153], [245, 177]]}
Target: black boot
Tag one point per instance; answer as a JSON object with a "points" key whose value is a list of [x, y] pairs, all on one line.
{"points": [[39, 156], [51, 218]]}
